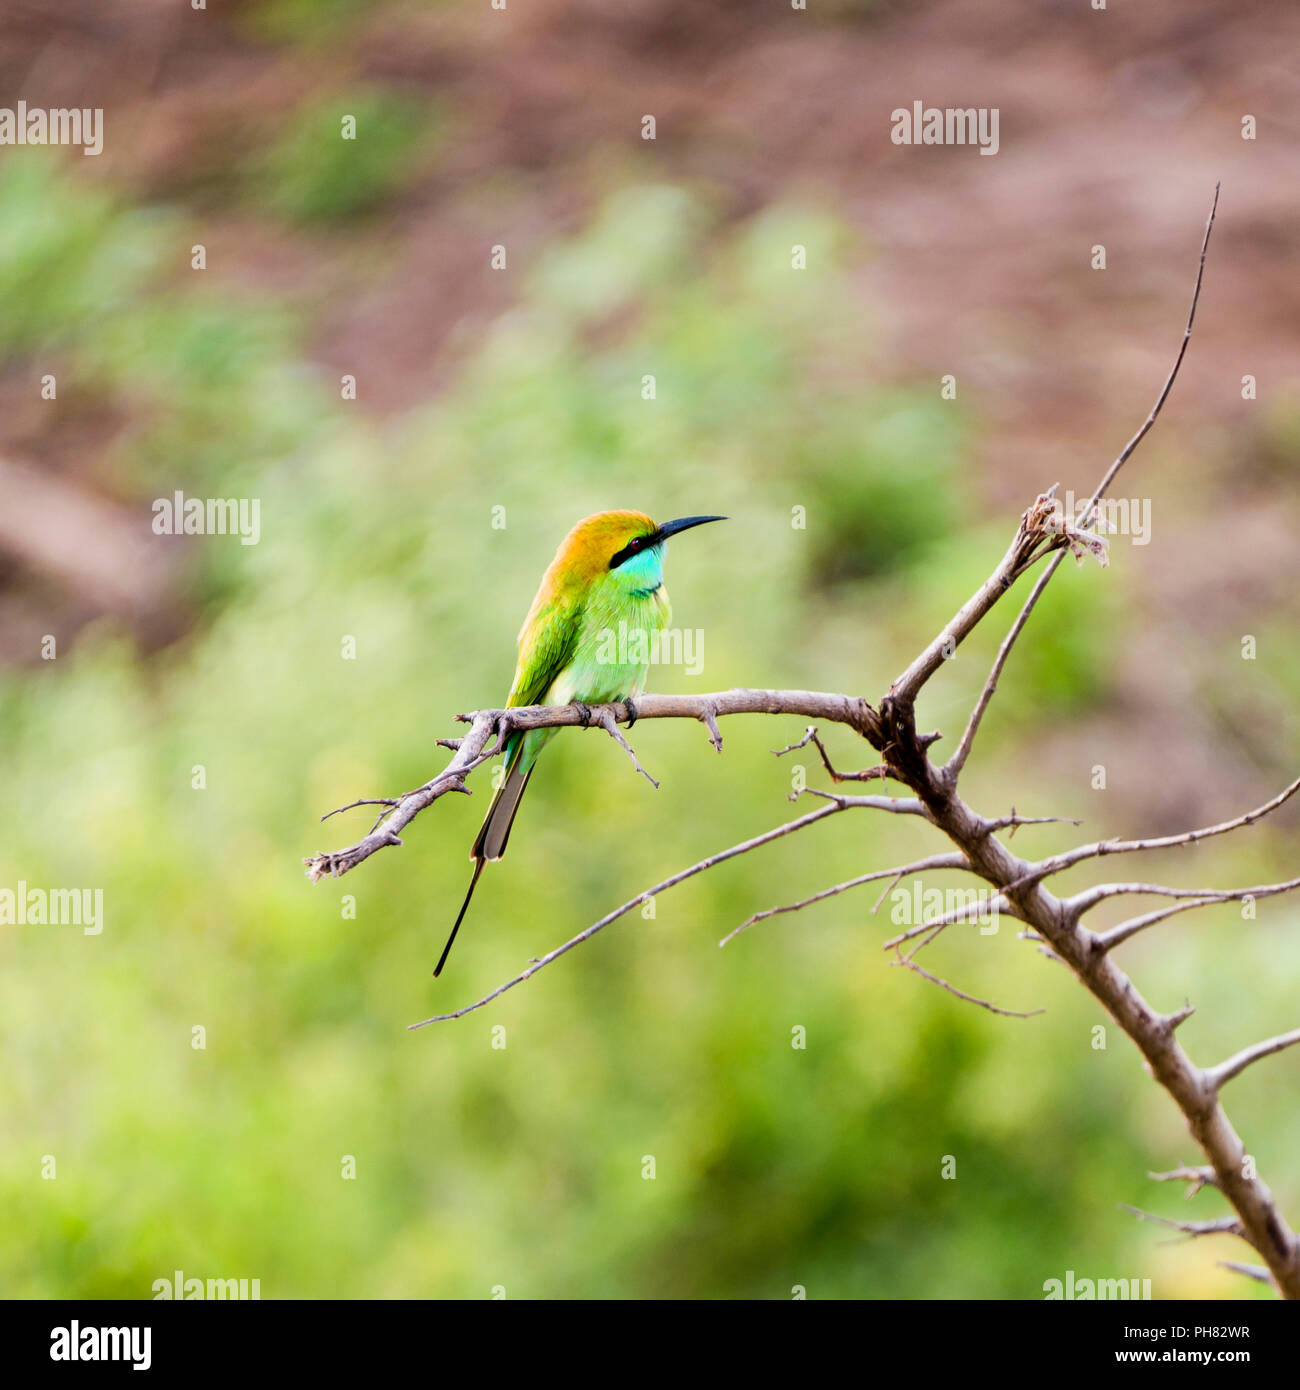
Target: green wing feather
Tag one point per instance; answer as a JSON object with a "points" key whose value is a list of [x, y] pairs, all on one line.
{"points": [[546, 645]]}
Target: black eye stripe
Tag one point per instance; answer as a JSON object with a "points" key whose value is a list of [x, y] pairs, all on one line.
{"points": [[635, 544]]}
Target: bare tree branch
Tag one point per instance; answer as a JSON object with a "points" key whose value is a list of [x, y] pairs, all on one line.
{"points": [[474, 748], [1017, 886]]}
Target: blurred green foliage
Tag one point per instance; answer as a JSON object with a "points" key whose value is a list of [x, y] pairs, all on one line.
{"points": [[323, 170], [517, 1158], [300, 22], [68, 260]]}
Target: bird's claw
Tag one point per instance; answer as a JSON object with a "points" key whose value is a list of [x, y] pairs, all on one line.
{"points": [[584, 712], [631, 711], [503, 728]]}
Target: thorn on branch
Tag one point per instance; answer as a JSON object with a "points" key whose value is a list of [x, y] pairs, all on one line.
{"points": [[1196, 1178], [1178, 1017]]}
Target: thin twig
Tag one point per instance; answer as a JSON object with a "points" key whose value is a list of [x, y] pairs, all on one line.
{"points": [[1216, 1226], [969, 998], [1256, 1272], [364, 801], [811, 736], [1100, 848], [896, 805], [935, 861], [1013, 820], [789, 828], [1196, 1178], [1127, 451], [1235, 1065], [997, 903], [606, 720], [952, 769], [1108, 940], [1024, 551], [1090, 897]]}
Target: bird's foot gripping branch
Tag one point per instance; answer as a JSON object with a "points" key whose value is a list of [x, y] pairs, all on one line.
{"points": [[978, 845]]}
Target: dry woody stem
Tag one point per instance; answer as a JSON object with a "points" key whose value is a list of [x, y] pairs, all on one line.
{"points": [[1057, 925]]}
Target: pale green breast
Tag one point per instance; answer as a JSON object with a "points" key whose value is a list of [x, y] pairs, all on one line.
{"points": [[616, 646]]}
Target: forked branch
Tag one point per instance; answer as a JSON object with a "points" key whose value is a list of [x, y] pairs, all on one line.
{"points": [[1017, 886]]}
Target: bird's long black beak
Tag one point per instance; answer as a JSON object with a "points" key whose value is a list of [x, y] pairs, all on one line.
{"points": [[683, 523]]}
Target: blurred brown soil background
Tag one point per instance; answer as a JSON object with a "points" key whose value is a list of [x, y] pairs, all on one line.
{"points": [[1115, 126]]}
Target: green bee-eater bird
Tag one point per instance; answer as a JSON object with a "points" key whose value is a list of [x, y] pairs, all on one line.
{"points": [[607, 578]]}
